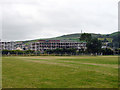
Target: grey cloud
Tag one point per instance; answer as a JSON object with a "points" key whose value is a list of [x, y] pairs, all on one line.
{"points": [[51, 18]]}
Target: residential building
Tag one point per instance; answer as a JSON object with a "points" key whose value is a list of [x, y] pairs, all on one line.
{"points": [[43, 45], [7, 45]]}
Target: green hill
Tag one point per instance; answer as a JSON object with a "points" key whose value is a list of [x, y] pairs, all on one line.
{"points": [[75, 37]]}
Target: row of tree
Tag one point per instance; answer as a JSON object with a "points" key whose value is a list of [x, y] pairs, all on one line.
{"points": [[61, 52], [105, 51], [18, 52], [71, 51]]}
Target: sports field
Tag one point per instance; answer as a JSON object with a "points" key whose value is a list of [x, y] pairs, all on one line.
{"points": [[60, 72]]}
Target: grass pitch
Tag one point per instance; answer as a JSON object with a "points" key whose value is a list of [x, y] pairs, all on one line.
{"points": [[60, 72]]}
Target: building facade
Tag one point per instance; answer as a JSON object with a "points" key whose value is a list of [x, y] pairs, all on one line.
{"points": [[43, 45], [11, 45], [7, 45]]}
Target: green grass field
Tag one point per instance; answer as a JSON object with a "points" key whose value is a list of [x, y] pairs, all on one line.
{"points": [[60, 72]]}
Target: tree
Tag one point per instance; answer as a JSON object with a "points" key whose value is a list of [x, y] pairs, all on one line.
{"points": [[107, 51], [116, 41], [94, 46], [85, 37]]}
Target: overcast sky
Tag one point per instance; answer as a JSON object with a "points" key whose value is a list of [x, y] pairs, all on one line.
{"points": [[33, 19]]}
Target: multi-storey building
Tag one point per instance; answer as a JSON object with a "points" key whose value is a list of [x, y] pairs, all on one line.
{"points": [[11, 45], [43, 45], [7, 45]]}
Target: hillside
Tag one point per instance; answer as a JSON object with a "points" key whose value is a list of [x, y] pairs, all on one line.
{"points": [[75, 37]]}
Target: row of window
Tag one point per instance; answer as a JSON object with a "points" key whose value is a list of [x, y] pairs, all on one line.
{"points": [[56, 43]]}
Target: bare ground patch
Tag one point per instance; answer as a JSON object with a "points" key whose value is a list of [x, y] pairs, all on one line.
{"points": [[107, 56], [57, 57], [61, 63], [71, 65]]}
